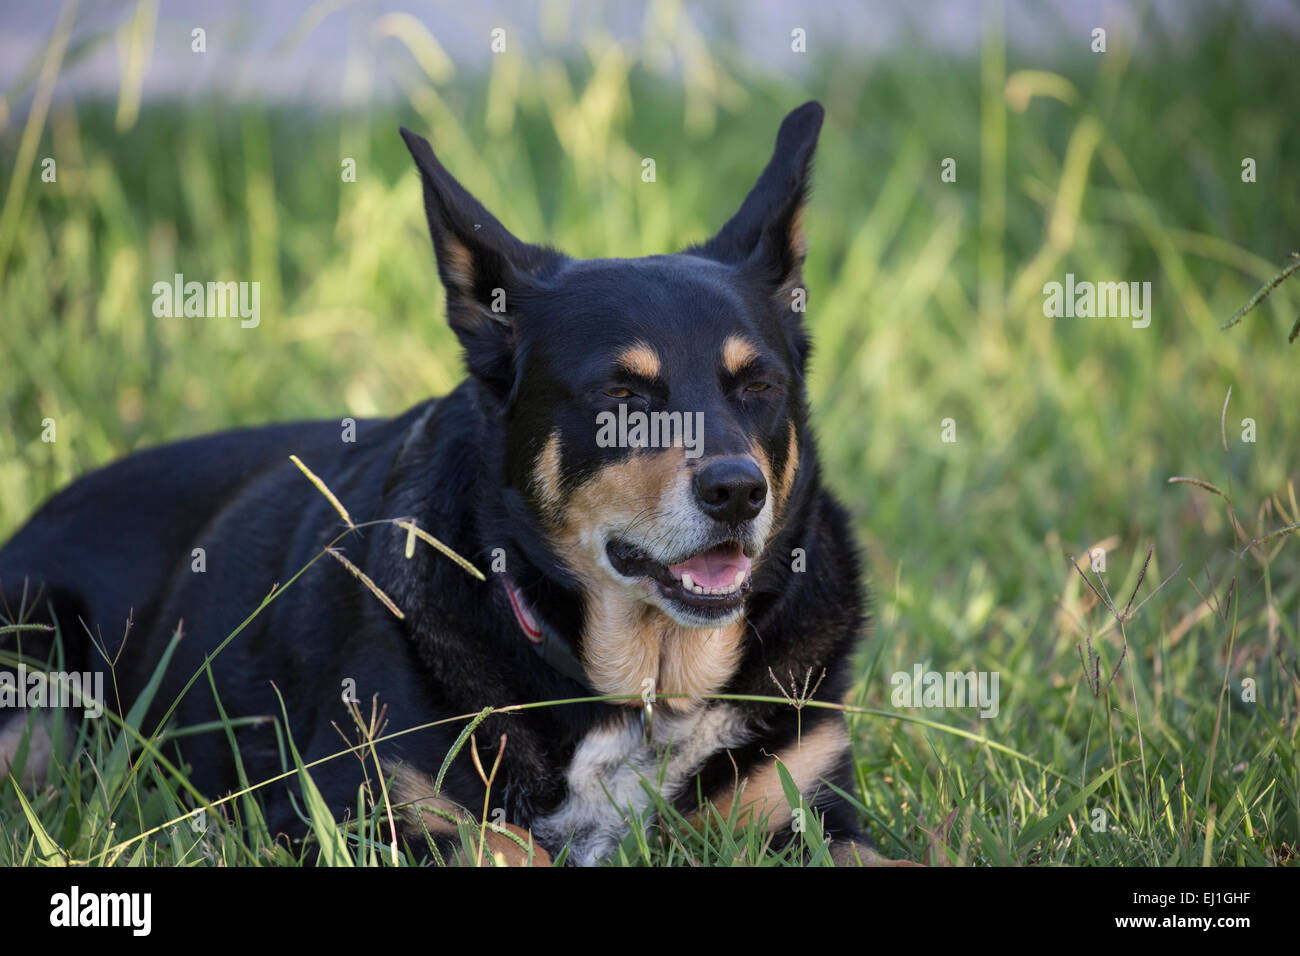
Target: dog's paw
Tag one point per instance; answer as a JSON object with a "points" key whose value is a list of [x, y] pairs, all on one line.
{"points": [[853, 853], [503, 851]]}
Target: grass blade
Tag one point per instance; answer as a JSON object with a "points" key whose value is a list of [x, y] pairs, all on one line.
{"points": [[51, 855], [330, 836]]}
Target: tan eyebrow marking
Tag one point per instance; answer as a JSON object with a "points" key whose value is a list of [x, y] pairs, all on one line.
{"points": [[737, 353], [640, 359]]}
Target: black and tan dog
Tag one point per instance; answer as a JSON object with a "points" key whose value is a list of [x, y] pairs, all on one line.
{"points": [[621, 568]]}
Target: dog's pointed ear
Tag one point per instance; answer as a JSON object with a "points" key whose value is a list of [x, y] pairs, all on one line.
{"points": [[765, 237], [482, 266]]}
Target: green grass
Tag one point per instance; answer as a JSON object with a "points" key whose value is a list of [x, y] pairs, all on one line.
{"points": [[925, 304]]}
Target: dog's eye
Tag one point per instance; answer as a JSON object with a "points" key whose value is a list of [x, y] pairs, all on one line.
{"points": [[618, 393], [756, 387]]}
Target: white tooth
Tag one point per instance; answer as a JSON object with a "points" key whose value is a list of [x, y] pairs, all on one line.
{"points": [[740, 579], [687, 582], [699, 589]]}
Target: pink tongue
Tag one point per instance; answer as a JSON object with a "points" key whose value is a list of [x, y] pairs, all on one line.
{"points": [[715, 568]]}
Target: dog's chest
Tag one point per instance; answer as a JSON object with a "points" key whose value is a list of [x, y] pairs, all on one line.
{"points": [[615, 769]]}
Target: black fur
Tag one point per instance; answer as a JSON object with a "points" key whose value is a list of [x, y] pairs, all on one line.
{"points": [[117, 544]]}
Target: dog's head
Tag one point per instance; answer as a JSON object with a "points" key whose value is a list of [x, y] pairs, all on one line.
{"points": [[653, 408]]}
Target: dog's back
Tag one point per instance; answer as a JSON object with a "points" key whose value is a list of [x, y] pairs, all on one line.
{"points": [[135, 522], [192, 536]]}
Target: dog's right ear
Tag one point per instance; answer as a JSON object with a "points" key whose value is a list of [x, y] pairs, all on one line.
{"points": [[765, 237], [482, 266]]}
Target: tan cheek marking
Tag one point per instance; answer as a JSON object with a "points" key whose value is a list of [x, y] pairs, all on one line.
{"points": [[764, 465], [790, 470], [625, 641], [439, 816], [546, 479], [620, 645], [640, 359], [617, 494], [737, 353], [761, 793]]}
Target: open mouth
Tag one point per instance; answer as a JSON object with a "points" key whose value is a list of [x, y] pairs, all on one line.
{"points": [[712, 580]]}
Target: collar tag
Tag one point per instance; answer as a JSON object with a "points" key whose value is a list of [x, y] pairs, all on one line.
{"points": [[648, 719]]}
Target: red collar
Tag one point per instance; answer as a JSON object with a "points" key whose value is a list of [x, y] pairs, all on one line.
{"points": [[523, 614], [550, 645]]}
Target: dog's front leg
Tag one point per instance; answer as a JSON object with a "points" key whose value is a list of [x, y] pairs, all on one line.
{"points": [[819, 753], [423, 811]]}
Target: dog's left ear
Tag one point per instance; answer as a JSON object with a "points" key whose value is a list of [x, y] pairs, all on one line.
{"points": [[483, 268], [765, 237]]}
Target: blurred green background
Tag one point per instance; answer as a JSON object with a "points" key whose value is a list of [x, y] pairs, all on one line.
{"points": [[926, 303]]}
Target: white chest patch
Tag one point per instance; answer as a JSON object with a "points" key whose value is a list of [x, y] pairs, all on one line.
{"points": [[613, 766]]}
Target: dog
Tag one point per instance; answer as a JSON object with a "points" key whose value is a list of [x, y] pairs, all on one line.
{"points": [[655, 573]]}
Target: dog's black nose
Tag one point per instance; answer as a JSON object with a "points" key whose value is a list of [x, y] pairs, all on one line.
{"points": [[731, 489]]}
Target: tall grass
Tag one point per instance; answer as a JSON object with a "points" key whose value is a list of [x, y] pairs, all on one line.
{"points": [[925, 305]]}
